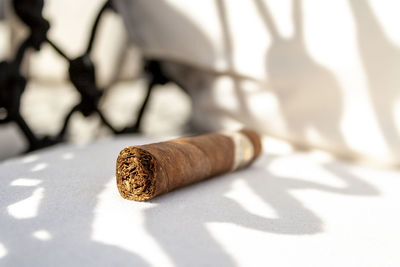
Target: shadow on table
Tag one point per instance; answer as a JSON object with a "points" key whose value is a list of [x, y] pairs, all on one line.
{"points": [[47, 204], [179, 221], [60, 187]]}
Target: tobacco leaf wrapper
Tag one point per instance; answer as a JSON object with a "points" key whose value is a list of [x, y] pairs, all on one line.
{"points": [[146, 171]]}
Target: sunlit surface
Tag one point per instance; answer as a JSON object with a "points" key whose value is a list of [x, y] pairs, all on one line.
{"points": [[253, 203], [30, 158], [27, 208], [42, 235], [25, 182], [125, 230], [39, 167], [3, 251], [68, 156]]}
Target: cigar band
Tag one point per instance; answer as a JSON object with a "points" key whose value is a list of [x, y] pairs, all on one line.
{"points": [[244, 150]]}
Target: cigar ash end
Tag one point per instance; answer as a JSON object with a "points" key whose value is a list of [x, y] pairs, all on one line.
{"points": [[136, 174]]}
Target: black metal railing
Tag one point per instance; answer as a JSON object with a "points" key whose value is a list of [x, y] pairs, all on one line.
{"points": [[81, 74]]}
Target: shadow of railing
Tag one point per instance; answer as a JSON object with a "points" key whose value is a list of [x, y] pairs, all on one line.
{"points": [[381, 64]]}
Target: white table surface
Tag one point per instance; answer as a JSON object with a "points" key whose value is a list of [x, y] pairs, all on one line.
{"points": [[61, 207]]}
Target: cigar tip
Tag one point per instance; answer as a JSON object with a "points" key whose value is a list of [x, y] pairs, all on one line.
{"points": [[135, 174]]}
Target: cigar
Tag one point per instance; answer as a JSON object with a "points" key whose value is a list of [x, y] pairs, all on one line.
{"points": [[146, 171]]}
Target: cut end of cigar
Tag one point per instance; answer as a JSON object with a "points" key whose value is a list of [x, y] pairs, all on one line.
{"points": [[136, 174]]}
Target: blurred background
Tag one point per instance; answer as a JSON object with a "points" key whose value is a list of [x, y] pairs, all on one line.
{"points": [[49, 95], [317, 74]]}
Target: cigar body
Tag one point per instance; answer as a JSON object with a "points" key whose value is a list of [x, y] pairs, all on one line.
{"points": [[146, 171]]}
